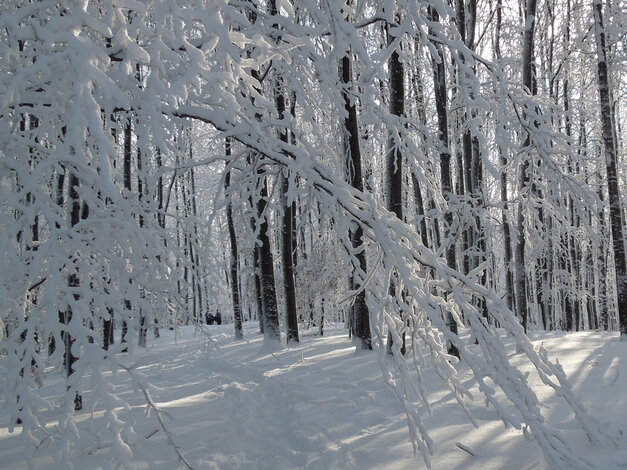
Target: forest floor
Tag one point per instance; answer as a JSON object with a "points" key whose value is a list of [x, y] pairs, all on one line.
{"points": [[317, 405]]}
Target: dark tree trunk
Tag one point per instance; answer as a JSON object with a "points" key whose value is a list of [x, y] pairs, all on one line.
{"points": [[507, 238], [609, 140], [527, 76], [439, 84], [394, 163], [271, 329], [287, 258], [262, 277], [287, 229], [394, 160], [361, 314], [60, 199], [193, 240], [473, 163], [126, 170], [74, 284], [107, 330], [258, 287], [141, 337], [160, 218], [419, 203], [235, 294], [464, 160], [601, 268]]}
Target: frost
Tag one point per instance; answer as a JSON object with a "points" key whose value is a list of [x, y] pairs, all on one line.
{"points": [[93, 89]]}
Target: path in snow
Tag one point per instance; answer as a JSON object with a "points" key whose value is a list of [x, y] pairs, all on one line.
{"points": [[318, 406]]}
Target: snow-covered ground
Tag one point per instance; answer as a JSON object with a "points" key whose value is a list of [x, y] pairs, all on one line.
{"points": [[317, 405]]}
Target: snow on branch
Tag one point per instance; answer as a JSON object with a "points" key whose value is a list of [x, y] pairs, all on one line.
{"points": [[403, 252]]}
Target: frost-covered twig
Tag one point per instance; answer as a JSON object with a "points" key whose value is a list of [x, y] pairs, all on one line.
{"points": [[151, 405], [415, 263]]}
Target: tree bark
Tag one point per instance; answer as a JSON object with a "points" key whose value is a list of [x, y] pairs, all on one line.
{"points": [[394, 160], [352, 149], [523, 182], [271, 329], [60, 200], [235, 294], [609, 140], [143, 328], [73, 283], [287, 229], [126, 170], [258, 286], [507, 238], [439, 84]]}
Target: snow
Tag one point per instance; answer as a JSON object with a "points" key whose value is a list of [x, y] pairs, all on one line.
{"points": [[317, 405]]}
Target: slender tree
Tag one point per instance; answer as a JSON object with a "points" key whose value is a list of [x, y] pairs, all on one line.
{"points": [[234, 262], [70, 357], [608, 119], [523, 182], [439, 84], [271, 329], [126, 170], [352, 149], [507, 238], [287, 229], [394, 159]]}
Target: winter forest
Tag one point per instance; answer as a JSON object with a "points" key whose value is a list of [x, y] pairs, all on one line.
{"points": [[224, 187]]}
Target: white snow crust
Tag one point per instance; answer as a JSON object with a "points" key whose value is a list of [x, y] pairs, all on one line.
{"points": [[318, 405]]}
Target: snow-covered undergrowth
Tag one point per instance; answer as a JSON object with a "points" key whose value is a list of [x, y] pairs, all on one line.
{"points": [[319, 406]]}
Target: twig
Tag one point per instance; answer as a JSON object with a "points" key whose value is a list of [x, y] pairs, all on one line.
{"points": [[465, 448], [96, 447], [158, 414]]}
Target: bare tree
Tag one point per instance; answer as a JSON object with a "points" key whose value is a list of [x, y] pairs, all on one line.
{"points": [[523, 183], [352, 149], [234, 262], [609, 141], [439, 84]]}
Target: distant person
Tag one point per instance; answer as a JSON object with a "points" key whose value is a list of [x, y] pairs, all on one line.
{"points": [[218, 318]]}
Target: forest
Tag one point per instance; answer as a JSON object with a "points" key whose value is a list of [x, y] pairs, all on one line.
{"points": [[438, 179]]}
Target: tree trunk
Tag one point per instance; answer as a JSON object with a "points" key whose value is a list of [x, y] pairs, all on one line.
{"points": [[523, 182], [439, 84], [464, 159], [74, 284], [609, 140], [194, 244], [287, 229], [126, 169], [287, 258], [352, 149], [143, 328], [235, 294], [419, 202], [258, 287], [394, 160], [601, 265], [271, 329], [160, 219], [60, 200]]}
